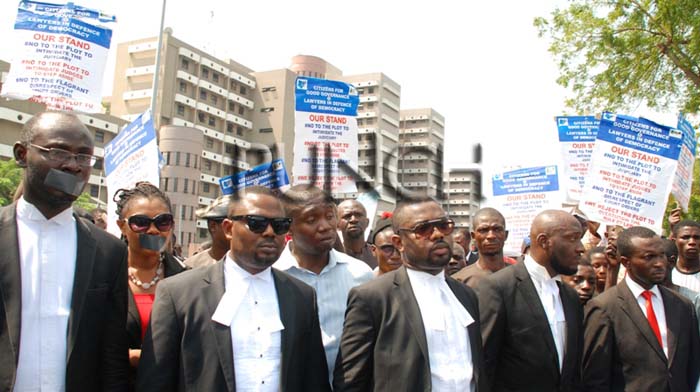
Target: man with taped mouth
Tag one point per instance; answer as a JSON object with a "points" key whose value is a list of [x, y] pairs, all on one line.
{"points": [[237, 325], [62, 280]]}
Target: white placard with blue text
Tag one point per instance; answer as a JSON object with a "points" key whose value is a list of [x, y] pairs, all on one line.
{"points": [[325, 121], [60, 57], [576, 138], [633, 165], [522, 194], [130, 157], [683, 181]]}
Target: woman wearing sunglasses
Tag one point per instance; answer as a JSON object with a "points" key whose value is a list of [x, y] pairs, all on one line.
{"points": [[146, 222]]}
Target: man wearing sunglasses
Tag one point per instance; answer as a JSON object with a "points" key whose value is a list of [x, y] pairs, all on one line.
{"points": [[237, 324], [388, 257], [413, 329], [62, 280], [215, 215], [531, 322], [311, 258]]}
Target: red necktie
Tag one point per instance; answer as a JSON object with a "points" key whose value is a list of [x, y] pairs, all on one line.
{"points": [[651, 316]]}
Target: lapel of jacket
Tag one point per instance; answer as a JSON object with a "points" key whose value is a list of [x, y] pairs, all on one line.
{"points": [[630, 307], [527, 289], [212, 295], [84, 263], [406, 302], [285, 299], [673, 323], [570, 304], [472, 330], [10, 276]]}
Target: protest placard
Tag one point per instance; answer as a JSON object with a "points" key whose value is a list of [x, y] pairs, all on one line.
{"points": [[130, 157], [272, 175], [633, 165], [522, 194], [683, 181], [576, 140], [60, 56], [325, 123]]}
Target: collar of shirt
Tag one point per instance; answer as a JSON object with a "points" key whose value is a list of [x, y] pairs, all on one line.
{"points": [[637, 290], [287, 260], [426, 287], [237, 281], [538, 273], [28, 212]]}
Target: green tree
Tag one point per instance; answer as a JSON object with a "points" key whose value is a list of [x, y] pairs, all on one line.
{"points": [[85, 202], [694, 204], [615, 54], [10, 177]]}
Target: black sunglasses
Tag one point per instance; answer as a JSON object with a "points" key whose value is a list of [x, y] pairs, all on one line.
{"points": [[141, 223], [425, 229], [258, 224], [388, 250]]}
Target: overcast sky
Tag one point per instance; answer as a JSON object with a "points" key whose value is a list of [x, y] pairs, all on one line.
{"points": [[480, 64]]}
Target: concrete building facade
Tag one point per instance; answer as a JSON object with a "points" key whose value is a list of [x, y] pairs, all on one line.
{"points": [[421, 140], [461, 188]]}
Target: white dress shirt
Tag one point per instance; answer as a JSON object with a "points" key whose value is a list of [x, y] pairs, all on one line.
{"points": [[656, 302], [548, 291], [250, 308], [47, 252], [445, 321], [332, 286]]}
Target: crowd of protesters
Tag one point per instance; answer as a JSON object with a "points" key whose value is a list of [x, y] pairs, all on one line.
{"points": [[295, 292]]}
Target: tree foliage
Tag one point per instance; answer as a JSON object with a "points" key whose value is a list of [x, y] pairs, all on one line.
{"points": [[85, 202], [615, 54], [10, 177], [694, 204]]}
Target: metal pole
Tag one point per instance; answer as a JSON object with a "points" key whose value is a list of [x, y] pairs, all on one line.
{"points": [[156, 72]]}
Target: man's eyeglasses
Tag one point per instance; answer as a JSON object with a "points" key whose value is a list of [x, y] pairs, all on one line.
{"points": [[141, 223], [388, 250], [61, 155], [425, 229], [258, 224]]}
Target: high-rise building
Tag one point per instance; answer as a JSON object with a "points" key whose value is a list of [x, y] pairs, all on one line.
{"points": [[421, 140], [14, 113], [199, 91], [462, 194]]}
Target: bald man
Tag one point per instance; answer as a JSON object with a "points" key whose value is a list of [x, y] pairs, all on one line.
{"points": [[531, 323], [352, 222]]}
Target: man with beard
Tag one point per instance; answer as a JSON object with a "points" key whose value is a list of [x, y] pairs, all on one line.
{"points": [[62, 280], [352, 222], [686, 233], [490, 236], [639, 335], [310, 257], [237, 324], [530, 321], [214, 215], [413, 329]]}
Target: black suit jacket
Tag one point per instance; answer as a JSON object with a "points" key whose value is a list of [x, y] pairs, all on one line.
{"points": [[621, 353], [519, 349], [97, 356], [383, 347], [184, 350]]}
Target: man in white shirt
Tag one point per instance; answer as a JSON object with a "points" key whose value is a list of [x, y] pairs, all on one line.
{"points": [[62, 280], [530, 321], [639, 335], [413, 329], [310, 257], [238, 325], [686, 273]]}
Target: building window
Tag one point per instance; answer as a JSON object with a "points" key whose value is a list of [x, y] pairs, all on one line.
{"points": [[98, 164], [243, 90], [214, 99], [266, 110], [95, 190], [202, 94], [180, 109], [229, 148], [231, 107], [265, 130], [241, 110], [185, 186], [177, 158], [200, 116], [370, 90], [215, 77], [210, 142], [100, 136], [189, 236], [205, 72], [194, 187], [187, 159], [175, 184], [183, 211], [205, 187], [239, 131], [183, 87], [229, 127], [212, 121], [207, 165], [167, 157], [184, 64]]}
